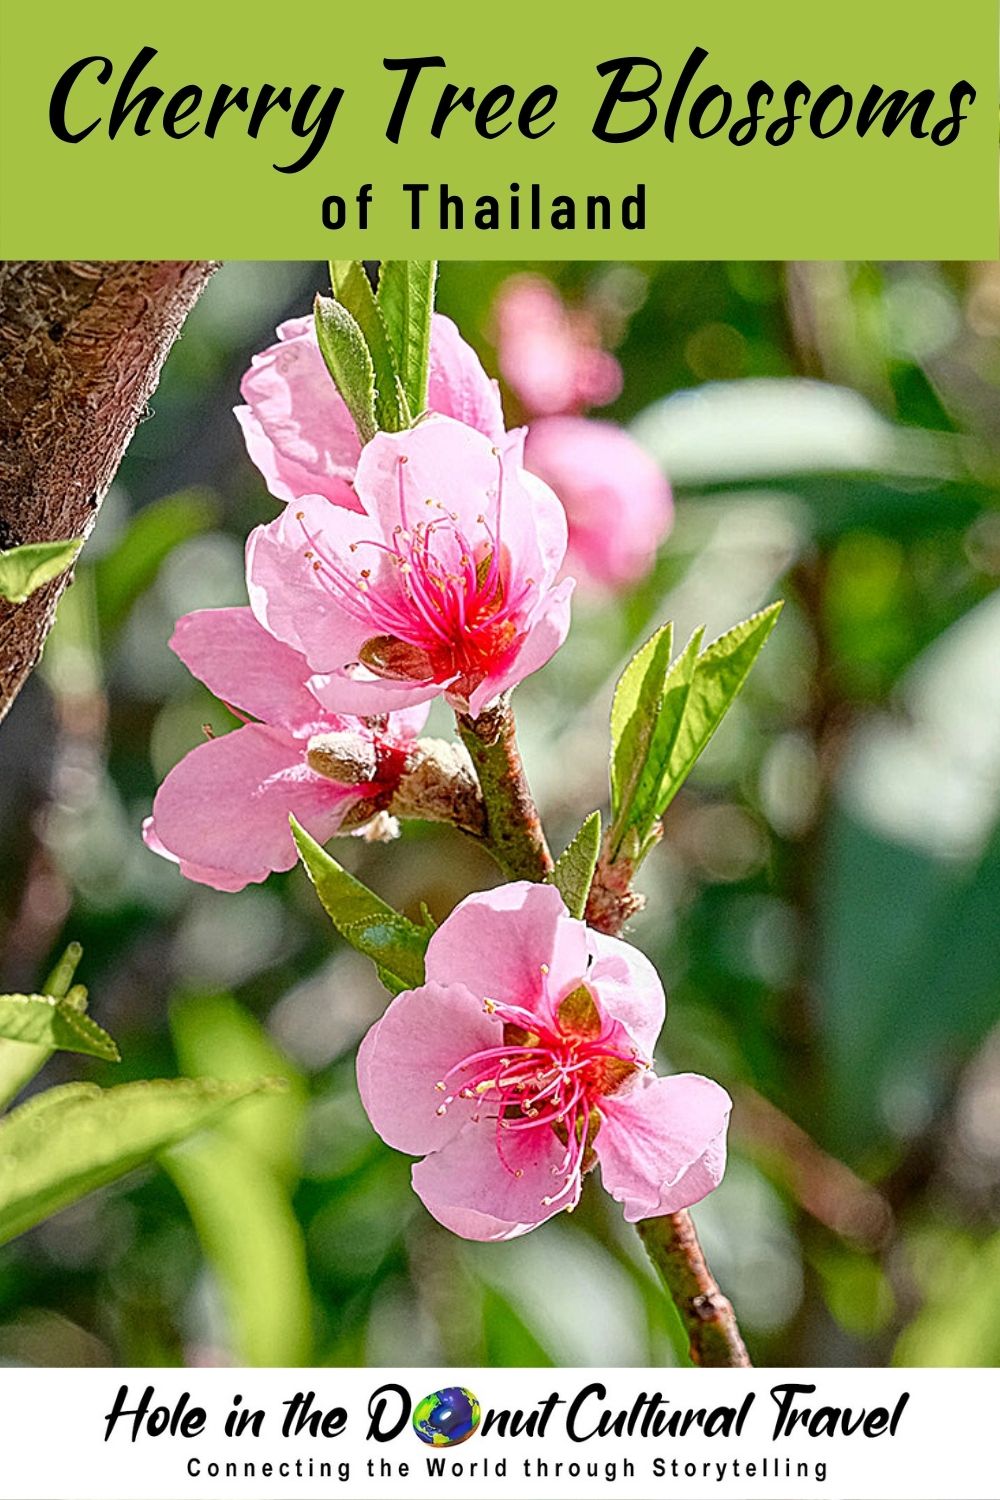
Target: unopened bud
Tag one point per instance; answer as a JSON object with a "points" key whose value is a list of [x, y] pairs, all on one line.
{"points": [[388, 656], [344, 756]]}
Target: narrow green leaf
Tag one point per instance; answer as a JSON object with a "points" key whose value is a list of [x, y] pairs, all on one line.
{"points": [[633, 716], [574, 869], [43, 1021], [644, 807], [722, 669], [253, 1242], [353, 291], [406, 301], [238, 1179], [19, 1062], [349, 362], [58, 983], [25, 569], [124, 573], [71, 1140], [394, 944]]}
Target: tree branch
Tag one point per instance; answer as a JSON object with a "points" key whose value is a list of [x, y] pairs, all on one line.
{"points": [[81, 348], [515, 838], [514, 834], [707, 1315]]}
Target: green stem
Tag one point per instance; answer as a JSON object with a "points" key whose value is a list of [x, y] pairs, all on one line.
{"points": [[514, 835], [707, 1315]]}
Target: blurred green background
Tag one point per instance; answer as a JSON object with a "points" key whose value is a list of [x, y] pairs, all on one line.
{"points": [[824, 907]]}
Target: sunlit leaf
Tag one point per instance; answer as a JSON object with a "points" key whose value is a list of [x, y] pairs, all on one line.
{"points": [[406, 299], [124, 573], [634, 711], [353, 291], [574, 869], [68, 1141], [241, 1175], [25, 569], [43, 1021], [393, 943], [349, 362], [722, 669], [507, 1337], [21, 1062], [646, 804]]}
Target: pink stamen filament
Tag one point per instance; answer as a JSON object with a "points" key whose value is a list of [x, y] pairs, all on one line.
{"points": [[436, 608], [552, 1082]]}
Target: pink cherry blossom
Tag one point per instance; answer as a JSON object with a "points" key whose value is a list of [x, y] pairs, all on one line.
{"points": [[222, 813], [550, 355], [299, 432], [444, 584], [523, 1060], [618, 503]]}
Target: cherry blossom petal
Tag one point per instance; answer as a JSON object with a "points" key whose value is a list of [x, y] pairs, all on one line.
{"points": [[629, 988], [297, 602], [458, 386], [360, 692], [223, 811], [407, 723], [299, 433], [616, 498], [472, 1192], [497, 942], [450, 470], [285, 479], [662, 1144], [550, 354], [546, 634], [222, 880], [423, 1033], [241, 663]]}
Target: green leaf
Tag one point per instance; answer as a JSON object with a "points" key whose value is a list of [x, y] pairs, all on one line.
{"points": [[574, 869], [645, 807], [71, 1140], [25, 569], [215, 1037], [132, 565], [349, 362], [19, 1062], [253, 1243], [394, 944], [238, 1180], [353, 291], [721, 671], [406, 301], [43, 1021], [634, 711]]}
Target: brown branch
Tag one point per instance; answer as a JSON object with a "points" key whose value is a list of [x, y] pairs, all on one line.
{"points": [[514, 834], [707, 1315], [515, 838], [81, 348]]}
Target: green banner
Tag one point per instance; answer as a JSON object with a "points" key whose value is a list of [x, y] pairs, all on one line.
{"points": [[658, 129]]}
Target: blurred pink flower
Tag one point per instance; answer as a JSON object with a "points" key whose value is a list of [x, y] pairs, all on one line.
{"points": [[550, 355], [618, 503], [522, 1060], [222, 813], [444, 584], [299, 432]]}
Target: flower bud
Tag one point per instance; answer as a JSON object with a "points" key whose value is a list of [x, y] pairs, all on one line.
{"points": [[344, 756]]}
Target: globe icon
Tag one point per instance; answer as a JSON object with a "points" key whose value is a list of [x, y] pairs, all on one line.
{"points": [[447, 1417]]}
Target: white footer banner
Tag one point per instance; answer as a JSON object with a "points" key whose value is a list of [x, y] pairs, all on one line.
{"points": [[561, 1433]]}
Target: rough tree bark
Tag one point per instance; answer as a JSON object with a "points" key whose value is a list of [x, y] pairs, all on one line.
{"points": [[81, 348]]}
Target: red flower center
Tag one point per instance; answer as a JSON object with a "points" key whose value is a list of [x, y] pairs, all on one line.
{"points": [[446, 612], [546, 1077]]}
